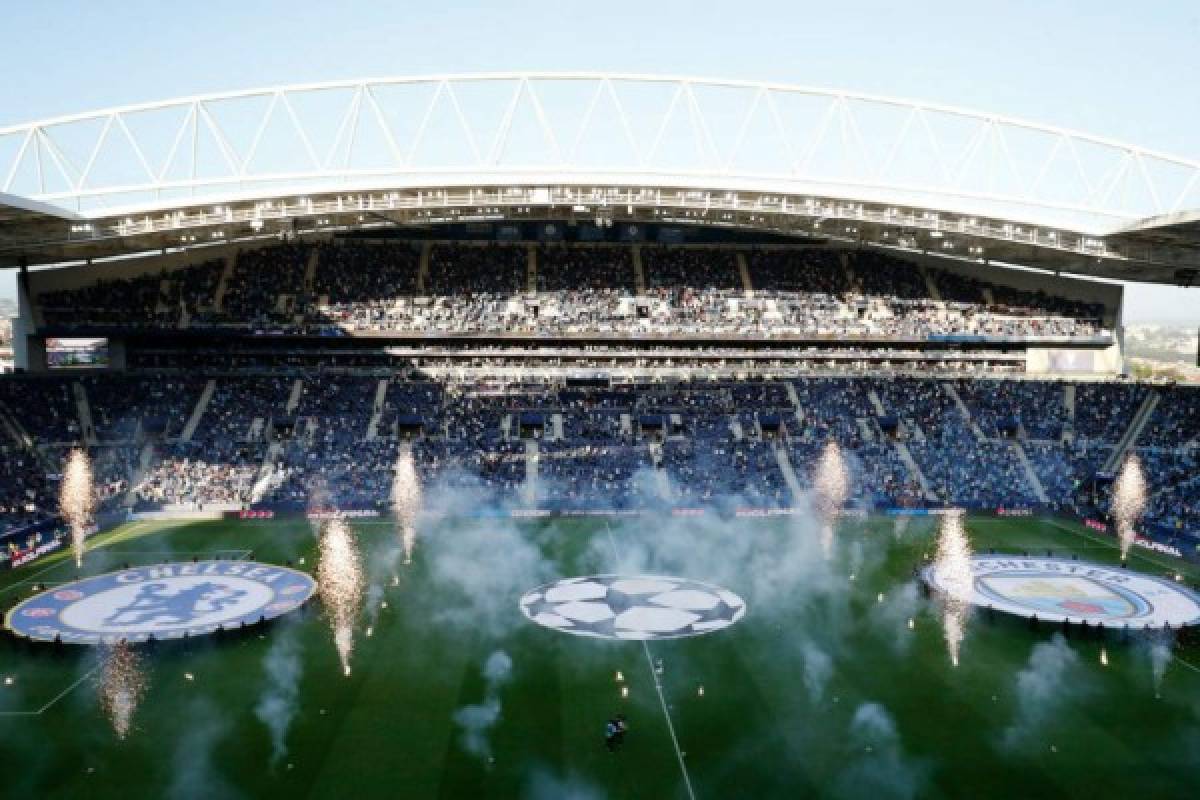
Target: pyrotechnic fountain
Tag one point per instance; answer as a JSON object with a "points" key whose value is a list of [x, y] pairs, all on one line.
{"points": [[340, 583], [952, 563], [406, 500], [831, 484], [122, 685], [1128, 501], [76, 499]]}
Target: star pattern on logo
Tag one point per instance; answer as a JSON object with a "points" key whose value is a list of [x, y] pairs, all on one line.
{"points": [[632, 607]]}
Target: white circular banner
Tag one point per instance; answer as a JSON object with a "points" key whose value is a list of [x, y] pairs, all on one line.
{"points": [[639, 607], [164, 601], [1058, 590]]}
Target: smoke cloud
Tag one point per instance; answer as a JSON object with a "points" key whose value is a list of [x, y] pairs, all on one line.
{"points": [[546, 785], [279, 702], [1159, 655], [889, 619], [1048, 680], [193, 772], [477, 721], [480, 565], [818, 669], [880, 768]]}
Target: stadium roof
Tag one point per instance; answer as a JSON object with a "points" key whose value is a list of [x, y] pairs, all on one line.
{"points": [[427, 150]]}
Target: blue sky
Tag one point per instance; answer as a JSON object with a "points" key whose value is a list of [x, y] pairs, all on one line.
{"points": [[1109, 68]]}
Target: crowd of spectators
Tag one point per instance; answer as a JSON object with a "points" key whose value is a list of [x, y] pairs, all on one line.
{"points": [[356, 286], [219, 463], [161, 300], [305, 438], [267, 286]]}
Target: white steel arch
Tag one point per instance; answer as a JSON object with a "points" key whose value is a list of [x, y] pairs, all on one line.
{"points": [[562, 129]]}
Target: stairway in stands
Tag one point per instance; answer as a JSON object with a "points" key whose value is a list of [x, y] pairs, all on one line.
{"points": [[744, 273], [639, 274], [223, 282], [529, 489], [1129, 439], [789, 472], [189, 430], [84, 410]]}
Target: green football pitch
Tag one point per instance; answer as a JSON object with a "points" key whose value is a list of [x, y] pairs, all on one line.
{"points": [[836, 683]]}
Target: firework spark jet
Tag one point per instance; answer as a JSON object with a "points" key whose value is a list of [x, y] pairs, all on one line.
{"points": [[1128, 501], [831, 483], [122, 685], [341, 584], [952, 563], [406, 499], [76, 499]]}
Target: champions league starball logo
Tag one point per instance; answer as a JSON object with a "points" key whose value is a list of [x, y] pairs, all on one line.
{"points": [[1061, 590], [164, 601], [640, 607]]}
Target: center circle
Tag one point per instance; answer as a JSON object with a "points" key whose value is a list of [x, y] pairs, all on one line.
{"points": [[634, 607]]}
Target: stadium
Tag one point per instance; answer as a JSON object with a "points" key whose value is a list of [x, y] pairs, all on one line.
{"points": [[556, 434]]}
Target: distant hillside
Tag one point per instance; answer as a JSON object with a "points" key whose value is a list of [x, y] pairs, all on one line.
{"points": [[1171, 344], [8, 308]]}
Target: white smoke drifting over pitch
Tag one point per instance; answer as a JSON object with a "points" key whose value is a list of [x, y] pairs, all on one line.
{"points": [[890, 617], [476, 721], [952, 563], [880, 768], [818, 669], [480, 566], [1128, 501], [1049, 679], [195, 769], [341, 584], [76, 499], [279, 702], [544, 784], [1159, 653]]}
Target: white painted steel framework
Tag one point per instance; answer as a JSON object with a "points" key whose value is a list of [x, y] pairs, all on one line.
{"points": [[641, 133]]}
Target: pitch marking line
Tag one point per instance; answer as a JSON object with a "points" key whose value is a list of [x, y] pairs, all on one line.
{"points": [[234, 555], [56, 560], [662, 700], [54, 699], [1114, 545], [1187, 664]]}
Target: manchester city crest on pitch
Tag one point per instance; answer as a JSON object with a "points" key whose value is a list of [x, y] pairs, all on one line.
{"points": [[639, 607], [164, 601], [1061, 590]]}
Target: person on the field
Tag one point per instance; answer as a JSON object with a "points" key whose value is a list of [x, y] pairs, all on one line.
{"points": [[610, 735], [622, 726]]}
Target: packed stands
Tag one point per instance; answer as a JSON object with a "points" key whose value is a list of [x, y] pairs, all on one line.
{"points": [[300, 439], [355, 286], [721, 374]]}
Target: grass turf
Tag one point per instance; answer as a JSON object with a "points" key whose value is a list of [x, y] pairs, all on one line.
{"points": [[817, 692]]}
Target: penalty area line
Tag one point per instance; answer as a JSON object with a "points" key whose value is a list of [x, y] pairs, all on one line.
{"points": [[662, 700], [54, 699]]}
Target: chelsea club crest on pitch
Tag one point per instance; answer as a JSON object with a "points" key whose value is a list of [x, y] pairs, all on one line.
{"points": [[163, 601]]}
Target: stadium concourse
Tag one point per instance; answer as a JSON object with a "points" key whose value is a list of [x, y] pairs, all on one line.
{"points": [[582, 377]]}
